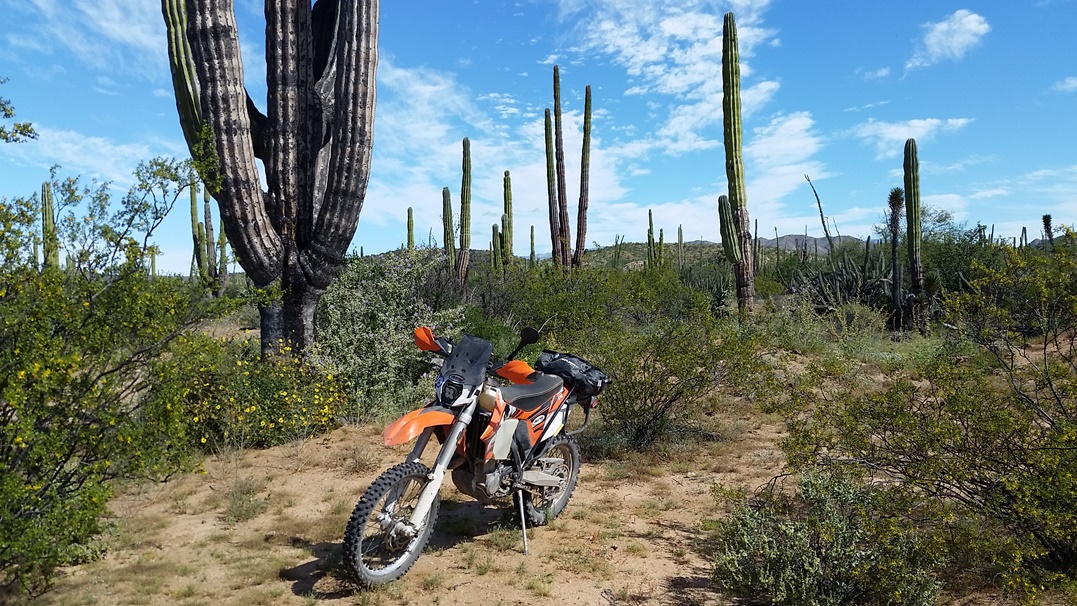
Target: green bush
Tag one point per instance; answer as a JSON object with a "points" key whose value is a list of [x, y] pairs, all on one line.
{"points": [[832, 543], [230, 396], [366, 325], [75, 346]]}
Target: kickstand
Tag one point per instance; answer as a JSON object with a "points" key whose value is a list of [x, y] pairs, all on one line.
{"points": [[523, 518]]}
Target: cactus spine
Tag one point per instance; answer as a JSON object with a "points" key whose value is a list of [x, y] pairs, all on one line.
{"points": [[49, 237], [911, 166], [447, 227], [730, 241], [464, 255], [506, 222], [585, 176], [411, 229], [734, 162]]}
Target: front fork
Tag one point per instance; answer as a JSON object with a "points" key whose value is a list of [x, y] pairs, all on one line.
{"points": [[437, 474]]}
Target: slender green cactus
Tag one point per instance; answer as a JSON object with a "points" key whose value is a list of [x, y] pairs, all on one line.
{"points": [[153, 261], [551, 192], [200, 261], [464, 255], [559, 157], [447, 227], [734, 162], [533, 259], [755, 248], [222, 262], [585, 177], [503, 243], [1024, 236], [49, 237], [730, 243], [894, 203], [661, 246], [506, 222], [913, 226], [411, 229], [652, 254], [680, 247], [1048, 231], [496, 262]]}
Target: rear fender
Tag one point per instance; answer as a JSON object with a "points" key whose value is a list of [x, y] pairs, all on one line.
{"points": [[409, 426]]}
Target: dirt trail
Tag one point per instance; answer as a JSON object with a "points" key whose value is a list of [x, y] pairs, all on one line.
{"points": [[264, 527]]}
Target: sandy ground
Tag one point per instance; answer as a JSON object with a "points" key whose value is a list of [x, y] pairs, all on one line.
{"points": [[265, 527]]}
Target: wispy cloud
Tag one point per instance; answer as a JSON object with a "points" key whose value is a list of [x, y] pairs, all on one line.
{"points": [[873, 74], [1066, 85], [113, 36], [889, 137], [949, 39], [676, 51], [96, 157]]}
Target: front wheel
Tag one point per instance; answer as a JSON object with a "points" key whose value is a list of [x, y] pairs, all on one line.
{"points": [[379, 543], [561, 458]]}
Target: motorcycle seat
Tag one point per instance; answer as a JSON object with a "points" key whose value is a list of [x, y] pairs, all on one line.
{"points": [[529, 397]]}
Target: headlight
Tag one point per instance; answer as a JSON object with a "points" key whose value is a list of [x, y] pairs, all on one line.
{"points": [[450, 392]]}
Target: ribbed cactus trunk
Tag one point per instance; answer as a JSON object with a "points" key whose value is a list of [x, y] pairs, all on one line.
{"points": [[314, 140], [533, 259], [652, 251], [411, 229], [551, 192], [564, 234], [448, 234], [50, 238], [198, 236], [734, 163], [913, 226], [894, 203], [222, 264], [506, 221], [496, 261], [1048, 231], [585, 178], [463, 256]]}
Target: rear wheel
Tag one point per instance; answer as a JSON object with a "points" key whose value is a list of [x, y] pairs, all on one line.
{"points": [[561, 458], [380, 545]]}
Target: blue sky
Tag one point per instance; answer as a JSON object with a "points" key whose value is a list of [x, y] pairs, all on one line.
{"points": [[830, 89]]}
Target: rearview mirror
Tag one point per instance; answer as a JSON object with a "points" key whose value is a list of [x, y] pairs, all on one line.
{"points": [[529, 335]]}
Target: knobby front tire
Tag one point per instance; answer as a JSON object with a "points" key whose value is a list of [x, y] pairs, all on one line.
{"points": [[375, 551]]}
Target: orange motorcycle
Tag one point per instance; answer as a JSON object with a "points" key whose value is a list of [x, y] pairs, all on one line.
{"points": [[496, 440]]}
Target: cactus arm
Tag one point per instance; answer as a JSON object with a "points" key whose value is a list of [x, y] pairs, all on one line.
{"points": [[551, 192], [464, 254], [506, 221], [730, 243], [585, 177], [562, 191], [447, 229]]}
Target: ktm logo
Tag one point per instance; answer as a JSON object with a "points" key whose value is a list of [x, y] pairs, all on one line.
{"points": [[538, 420]]}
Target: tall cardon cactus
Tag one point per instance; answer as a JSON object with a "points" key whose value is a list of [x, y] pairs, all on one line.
{"points": [[585, 177], [894, 204], [314, 140], [411, 229], [551, 192], [913, 225], [734, 163], [50, 238], [506, 221], [463, 256]]}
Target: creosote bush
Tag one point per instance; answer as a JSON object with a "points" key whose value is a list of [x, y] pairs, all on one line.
{"points": [[831, 543]]}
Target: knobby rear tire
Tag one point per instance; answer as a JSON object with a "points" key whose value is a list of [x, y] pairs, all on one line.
{"points": [[543, 505], [373, 553]]}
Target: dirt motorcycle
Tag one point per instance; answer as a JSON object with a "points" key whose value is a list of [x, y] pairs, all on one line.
{"points": [[496, 440]]}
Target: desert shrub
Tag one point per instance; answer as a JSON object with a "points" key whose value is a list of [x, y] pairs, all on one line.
{"points": [[662, 375], [229, 395], [75, 345], [830, 543], [366, 324]]}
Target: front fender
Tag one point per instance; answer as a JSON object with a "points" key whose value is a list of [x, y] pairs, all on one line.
{"points": [[409, 426]]}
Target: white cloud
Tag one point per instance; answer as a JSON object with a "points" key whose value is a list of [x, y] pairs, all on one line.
{"points": [[874, 74], [676, 51], [990, 193], [76, 153], [949, 39], [1066, 85], [889, 137]]}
